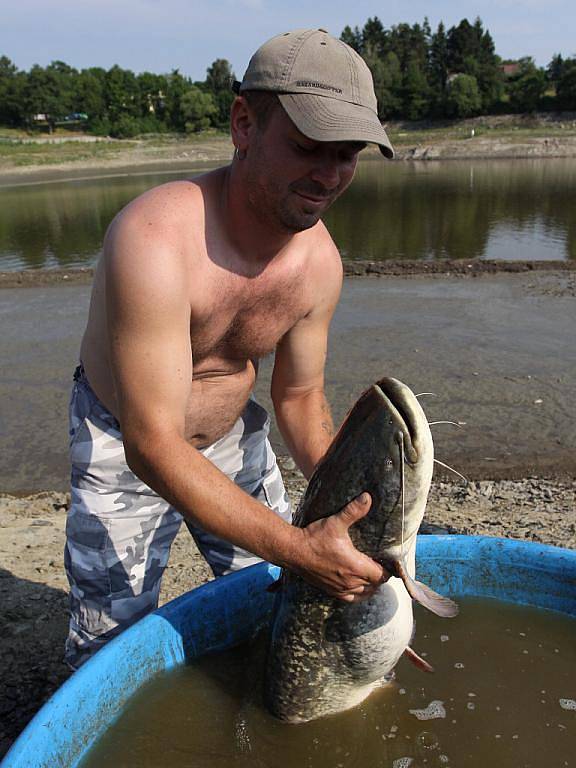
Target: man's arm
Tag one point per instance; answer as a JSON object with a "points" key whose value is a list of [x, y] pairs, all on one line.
{"points": [[148, 283], [301, 408]]}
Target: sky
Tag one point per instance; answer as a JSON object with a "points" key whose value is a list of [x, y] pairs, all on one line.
{"points": [[162, 35]]}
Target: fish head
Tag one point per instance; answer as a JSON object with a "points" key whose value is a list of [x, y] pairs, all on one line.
{"points": [[384, 446]]}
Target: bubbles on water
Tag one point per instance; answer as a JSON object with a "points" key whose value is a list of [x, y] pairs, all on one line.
{"points": [[403, 762], [427, 741], [470, 705], [458, 665], [568, 704], [444, 638], [433, 711], [443, 759]]}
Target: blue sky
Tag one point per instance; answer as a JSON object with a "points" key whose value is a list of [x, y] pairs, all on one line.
{"points": [[160, 35]]}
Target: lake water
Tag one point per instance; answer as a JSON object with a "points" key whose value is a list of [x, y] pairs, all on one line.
{"points": [[520, 209], [503, 694]]}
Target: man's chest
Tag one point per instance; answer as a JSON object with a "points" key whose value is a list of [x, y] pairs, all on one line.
{"points": [[248, 323]]}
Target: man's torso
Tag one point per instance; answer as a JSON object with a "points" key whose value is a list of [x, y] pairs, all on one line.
{"points": [[235, 318]]}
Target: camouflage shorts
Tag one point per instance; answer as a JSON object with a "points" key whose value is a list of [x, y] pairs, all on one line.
{"points": [[119, 531]]}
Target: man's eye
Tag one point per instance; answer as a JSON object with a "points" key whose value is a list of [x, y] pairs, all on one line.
{"points": [[304, 149]]}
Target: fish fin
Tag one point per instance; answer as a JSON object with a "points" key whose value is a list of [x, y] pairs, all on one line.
{"points": [[418, 661], [438, 604]]}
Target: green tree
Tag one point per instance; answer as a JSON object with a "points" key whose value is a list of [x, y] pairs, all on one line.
{"points": [[65, 80], [387, 78], [463, 97], [462, 44], [555, 68], [566, 87], [374, 37], [352, 37], [471, 52], [416, 92], [490, 77], [219, 78], [410, 44], [438, 68], [11, 97], [152, 95], [121, 90], [90, 94], [41, 95], [198, 109], [527, 87], [177, 85]]}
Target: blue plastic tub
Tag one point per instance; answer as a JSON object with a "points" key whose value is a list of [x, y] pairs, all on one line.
{"points": [[225, 612]]}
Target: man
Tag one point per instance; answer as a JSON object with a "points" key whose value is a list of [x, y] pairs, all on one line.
{"points": [[199, 279]]}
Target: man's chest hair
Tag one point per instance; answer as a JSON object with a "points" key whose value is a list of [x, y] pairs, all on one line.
{"points": [[248, 325]]}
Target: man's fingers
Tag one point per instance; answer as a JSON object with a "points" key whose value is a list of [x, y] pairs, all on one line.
{"points": [[359, 597], [355, 509], [357, 594]]}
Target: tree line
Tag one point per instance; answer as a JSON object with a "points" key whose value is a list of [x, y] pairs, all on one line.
{"points": [[455, 73], [114, 102], [418, 74]]}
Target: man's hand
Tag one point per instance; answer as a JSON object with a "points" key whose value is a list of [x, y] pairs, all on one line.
{"points": [[329, 560]]}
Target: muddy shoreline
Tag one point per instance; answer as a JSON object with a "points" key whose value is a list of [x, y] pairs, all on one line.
{"points": [[30, 278], [546, 135]]}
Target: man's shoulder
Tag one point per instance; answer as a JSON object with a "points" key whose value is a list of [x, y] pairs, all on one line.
{"points": [[321, 251], [164, 220], [164, 206]]}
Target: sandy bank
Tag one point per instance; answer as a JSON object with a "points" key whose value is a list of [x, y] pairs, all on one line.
{"points": [[174, 154]]}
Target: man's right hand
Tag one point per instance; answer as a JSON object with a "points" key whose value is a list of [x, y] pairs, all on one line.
{"points": [[328, 560]]}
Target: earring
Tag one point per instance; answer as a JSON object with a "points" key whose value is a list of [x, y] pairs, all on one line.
{"points": [[239, 154]]}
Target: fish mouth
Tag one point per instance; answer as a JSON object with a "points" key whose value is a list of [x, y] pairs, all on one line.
{"points": [[399, 403]]}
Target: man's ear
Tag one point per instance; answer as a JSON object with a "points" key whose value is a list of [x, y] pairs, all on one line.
{"points": [[242, 123]]}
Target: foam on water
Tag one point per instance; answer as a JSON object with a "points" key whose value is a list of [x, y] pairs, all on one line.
{"points": [[568, 704], [433, 711]]}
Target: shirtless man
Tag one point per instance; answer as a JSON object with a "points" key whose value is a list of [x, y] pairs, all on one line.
{"points": [[198, 281]]}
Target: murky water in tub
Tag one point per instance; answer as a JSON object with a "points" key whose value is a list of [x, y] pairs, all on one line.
{"points": [[503, 695]]}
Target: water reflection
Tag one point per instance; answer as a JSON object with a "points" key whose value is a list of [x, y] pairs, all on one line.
{"points": [[498, 209], [518, 209], [62, 224]]}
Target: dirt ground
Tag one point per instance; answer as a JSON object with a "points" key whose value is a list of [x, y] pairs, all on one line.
{"points": [[33, 586]]}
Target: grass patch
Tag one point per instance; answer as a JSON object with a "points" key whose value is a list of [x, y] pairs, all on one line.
{"points": [[23, 154]]}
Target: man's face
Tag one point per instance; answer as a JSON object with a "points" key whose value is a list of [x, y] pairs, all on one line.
{"points": [[292, 180]]}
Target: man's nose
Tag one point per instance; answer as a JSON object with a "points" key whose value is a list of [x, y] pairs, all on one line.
{"points": [[327, 173]]}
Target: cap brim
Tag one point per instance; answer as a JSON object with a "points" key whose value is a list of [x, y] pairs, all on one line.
{"points": [[325, 119]]}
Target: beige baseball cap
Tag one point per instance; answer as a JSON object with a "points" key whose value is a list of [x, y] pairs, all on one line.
{"points": [[324, 85]]}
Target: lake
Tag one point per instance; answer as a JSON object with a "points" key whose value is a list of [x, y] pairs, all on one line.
{"points": [[517, 209]]}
